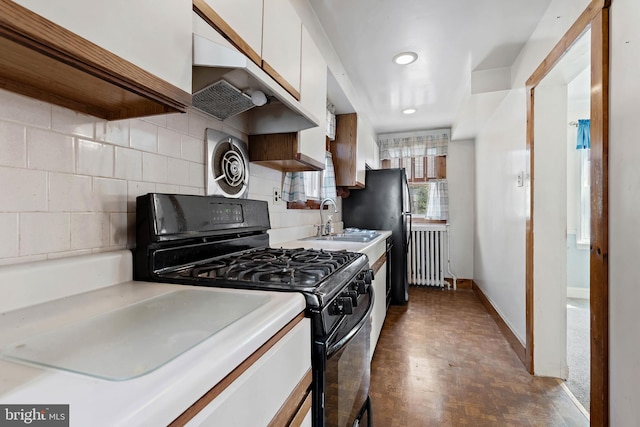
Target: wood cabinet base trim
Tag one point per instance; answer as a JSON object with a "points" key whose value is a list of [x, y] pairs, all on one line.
{"points": [[211, 17], [280, 80], [216, 390], [48, 62], [295, 404], [379, 263]]}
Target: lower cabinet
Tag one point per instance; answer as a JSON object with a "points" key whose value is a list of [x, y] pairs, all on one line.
{"points": [[273, 391], [379, 264]]}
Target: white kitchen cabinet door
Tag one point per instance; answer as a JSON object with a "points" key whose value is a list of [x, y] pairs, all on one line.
{"points": [[155, 36], [379, 313], [244, 17], [281, 44], [254, 398], [313, 96]]}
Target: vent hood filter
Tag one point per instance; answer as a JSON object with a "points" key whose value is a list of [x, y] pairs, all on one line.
{"points": [[222, 100]]}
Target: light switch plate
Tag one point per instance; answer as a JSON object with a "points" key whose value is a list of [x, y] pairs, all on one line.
{"points": [[521, 179]]}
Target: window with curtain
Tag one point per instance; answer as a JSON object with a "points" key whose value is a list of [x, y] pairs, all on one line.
{"points": [[423, 156], [584, 145], [302, 189]]}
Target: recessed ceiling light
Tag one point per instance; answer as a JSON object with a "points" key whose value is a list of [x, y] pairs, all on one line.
{"points": [[409, 111], [405, 58]]}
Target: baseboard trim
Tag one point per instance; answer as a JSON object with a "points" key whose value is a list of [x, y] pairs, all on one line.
{"points": [[511, 338], [464, 283]]}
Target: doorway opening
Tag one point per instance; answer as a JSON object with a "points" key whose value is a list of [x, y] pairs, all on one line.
{"points": [[545, 346]]}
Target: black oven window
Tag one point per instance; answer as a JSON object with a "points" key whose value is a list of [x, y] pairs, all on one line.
{"points": [[347, 380]]}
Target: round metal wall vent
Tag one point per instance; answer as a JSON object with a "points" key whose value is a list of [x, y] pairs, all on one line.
{"points": [[227, 165]]}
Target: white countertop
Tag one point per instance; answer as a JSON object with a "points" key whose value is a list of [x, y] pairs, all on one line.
{"points": [[155, 398]]}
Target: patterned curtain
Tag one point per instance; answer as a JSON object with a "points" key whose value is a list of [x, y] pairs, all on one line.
{"points": [[438, 201], [415, 144], [293, 187], [328, 178], [300, 186]]}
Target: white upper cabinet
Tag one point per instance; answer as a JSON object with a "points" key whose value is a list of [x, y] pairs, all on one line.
{"points": [[155, 36], [313, 96], [281, 43], [244, 17]]}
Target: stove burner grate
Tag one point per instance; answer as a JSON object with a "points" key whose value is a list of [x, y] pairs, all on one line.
{"points": [[293, 267]]}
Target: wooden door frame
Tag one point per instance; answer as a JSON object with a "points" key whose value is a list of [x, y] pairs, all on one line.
{"points": [[596, 17]]}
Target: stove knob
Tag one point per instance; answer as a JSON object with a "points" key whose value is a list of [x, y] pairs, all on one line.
{"points": [[367, 276], [342, 305], [360, 286], [353, 295]]}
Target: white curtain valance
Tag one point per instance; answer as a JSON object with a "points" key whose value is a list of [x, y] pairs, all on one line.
{"points": [[414, 144]]}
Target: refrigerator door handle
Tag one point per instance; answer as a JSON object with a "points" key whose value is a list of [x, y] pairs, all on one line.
{"points": [[408, 216]]}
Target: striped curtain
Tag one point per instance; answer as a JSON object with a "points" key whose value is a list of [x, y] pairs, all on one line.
{"points": [[293, 187]]}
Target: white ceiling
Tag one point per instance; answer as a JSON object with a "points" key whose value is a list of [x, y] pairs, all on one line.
{"points": [[453, 38]]}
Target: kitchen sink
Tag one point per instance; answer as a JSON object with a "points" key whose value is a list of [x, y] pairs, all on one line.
{"points": [[359, 236]]}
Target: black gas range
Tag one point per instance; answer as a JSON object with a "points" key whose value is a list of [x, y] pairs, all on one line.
{"points": [[220, 242]]}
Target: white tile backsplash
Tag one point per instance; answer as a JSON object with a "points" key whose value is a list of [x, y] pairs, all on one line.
{"points": [[178, 171], [70, 181], [70, 122], [154, 167], [50, 151], [178, 122], [144, 136], [23, 190], [9, 233], [90, 230], [14, 147], [193, 148], [43, 233], [28, 111], [197, 175], [116, 132], [70, 193], [128, 164], [109, 195], [118, 232], [169, 142], [95, 158]]}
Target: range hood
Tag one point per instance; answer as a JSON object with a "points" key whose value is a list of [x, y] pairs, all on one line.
{"points": [[224, 80]]}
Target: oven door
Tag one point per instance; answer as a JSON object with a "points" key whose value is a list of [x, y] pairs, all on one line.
{"points": [[348, 369]]}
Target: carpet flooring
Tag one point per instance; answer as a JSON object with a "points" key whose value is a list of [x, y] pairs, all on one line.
{"points": [[578, 354], [442, 361]]}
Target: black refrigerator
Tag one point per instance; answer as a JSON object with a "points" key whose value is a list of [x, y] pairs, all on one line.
{"points": [[385, 204]]}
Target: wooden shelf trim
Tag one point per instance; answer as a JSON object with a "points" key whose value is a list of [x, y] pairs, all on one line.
{"points": [[280, 151], [295, 404], [211, 17], [379, 263], [46, 61]]}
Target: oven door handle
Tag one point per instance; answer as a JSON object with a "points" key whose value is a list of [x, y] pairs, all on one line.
{"points": [[344, 340]]}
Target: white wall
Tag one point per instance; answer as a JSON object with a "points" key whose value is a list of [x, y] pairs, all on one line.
{"points": [[624, 213], [69, 181], [460, 178], [501, 207]]}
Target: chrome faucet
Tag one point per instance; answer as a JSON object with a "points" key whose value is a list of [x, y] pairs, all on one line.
{"points": [[325, 229]]}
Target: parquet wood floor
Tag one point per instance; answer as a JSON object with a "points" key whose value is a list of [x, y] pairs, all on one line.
{"points": [[442, 361]]}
